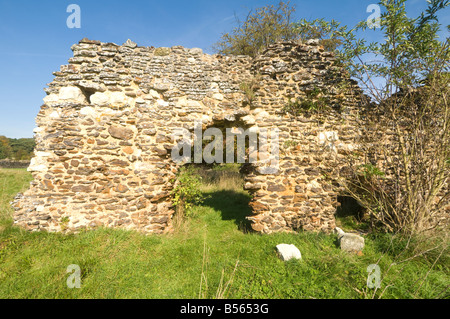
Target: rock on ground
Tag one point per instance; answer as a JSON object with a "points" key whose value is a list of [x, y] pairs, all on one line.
{"points": [[350, 242], [288, 252]]}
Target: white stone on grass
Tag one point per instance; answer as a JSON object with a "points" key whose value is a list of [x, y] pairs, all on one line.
{"points": [[288, 252]]}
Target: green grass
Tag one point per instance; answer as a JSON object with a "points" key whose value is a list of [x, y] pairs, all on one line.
{"points": [[12, 181], [202, 254]]}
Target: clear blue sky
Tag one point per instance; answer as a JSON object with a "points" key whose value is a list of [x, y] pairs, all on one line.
{"points": [[35, 39]]}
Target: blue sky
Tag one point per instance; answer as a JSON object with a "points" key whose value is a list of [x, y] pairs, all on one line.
{"points": [[35, 39]]}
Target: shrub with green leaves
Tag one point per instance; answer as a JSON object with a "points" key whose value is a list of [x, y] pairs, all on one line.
{"points": [[406, 77], [315, 101], [186, 194], [263, 26]]}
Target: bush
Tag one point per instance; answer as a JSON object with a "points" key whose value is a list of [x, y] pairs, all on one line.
{"points": [[186, 193], [266, 25], [406, 128]]}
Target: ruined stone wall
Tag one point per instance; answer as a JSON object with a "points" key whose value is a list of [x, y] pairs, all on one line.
{"points": [[105, 133], [313, 146]]}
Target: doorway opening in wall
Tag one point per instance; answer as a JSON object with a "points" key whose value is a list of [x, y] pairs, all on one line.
{"points": [[351, 216], [223, 187], [224, 202], [219, 198]]}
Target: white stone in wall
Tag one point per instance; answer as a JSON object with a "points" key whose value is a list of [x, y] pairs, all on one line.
{"points": [[346, 147], [92, 86], [142, 166], [55, 115], [39, 162], [218, 96], [100, 99], [214, 87], [51, 99], [328, 140], [249, 120], [313, 184], [254, 129], [183, 102], [36, 167], [260, 113], [193, 104], [196, 51], [154, 94], [162, 103], [118, 98], [110, 112], [88, 111], [72, 93], [140, 100], [206, 119], [330, 136], [313, 42]]}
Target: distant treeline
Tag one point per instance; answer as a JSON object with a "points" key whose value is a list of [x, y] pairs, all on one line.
{"points": [[17, 149]]}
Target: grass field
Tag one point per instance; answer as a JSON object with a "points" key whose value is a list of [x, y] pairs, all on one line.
{"points": [[210, 256]]}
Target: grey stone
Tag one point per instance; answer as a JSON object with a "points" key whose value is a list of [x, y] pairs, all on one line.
{"points": [[350, 242]]}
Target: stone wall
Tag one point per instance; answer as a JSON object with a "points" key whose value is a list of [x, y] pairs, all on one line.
{"points": [[9, 163], [105, 133], [312, 146]]}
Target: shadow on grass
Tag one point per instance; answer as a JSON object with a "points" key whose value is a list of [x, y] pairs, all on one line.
{"points": [[232, 206]]}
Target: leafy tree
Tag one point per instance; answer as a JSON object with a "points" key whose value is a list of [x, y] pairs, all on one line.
{"points": [[260, 28], [329, 33], [5, 148], [269, 24], [407, 77], [22, 148], [19, 149]]}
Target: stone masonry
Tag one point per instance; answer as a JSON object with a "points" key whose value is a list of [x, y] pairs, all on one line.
{"points": [[106, 130]]}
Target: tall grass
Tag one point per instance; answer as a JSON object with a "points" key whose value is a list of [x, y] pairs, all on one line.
{"points": [[12, 181]]}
